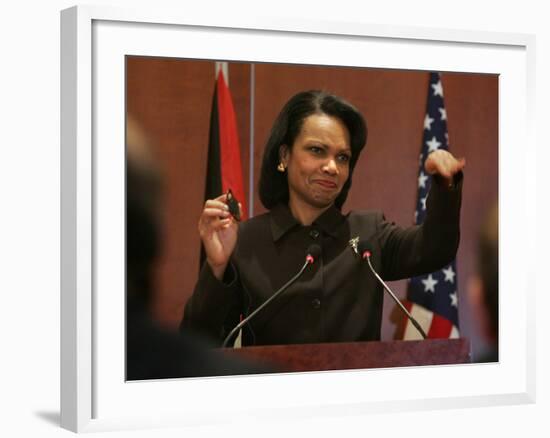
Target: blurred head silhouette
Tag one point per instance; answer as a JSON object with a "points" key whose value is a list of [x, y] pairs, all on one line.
{"points": [[151, 351], [143, 202], [483, 286]]}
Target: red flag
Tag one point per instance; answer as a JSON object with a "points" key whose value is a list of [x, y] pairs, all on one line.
{"points": [[224, 170], [230, 150]]}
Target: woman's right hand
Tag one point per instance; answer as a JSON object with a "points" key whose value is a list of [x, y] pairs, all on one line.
{"points": [[218, 231]]}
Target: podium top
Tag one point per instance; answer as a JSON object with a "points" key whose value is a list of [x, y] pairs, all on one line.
{"points": [[358, 355]]}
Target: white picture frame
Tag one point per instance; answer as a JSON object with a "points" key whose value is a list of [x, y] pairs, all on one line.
{"points": [[94, 41]]}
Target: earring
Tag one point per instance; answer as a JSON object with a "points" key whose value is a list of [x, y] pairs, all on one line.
{"points": [[281, 167]]}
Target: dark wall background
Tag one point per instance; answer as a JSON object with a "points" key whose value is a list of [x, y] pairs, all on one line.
{"points": [[172, 99]]}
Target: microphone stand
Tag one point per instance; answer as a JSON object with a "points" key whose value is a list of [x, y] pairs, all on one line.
{"points": [[266, 302], [414, 322]]}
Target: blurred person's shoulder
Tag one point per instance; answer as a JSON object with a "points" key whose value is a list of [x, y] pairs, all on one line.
{"points": [[157, 353]]}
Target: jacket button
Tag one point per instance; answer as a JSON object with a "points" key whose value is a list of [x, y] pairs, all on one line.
{"points": [[316, 303], [314, 234]]}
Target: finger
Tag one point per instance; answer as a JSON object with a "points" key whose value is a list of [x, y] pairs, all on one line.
{"points": [[221, 198], [215, 212], [462, 163], [430, 167], [433, 162], [442, 163], [212, 203], [449, 167], [456, 166], [207, 231], [224, 223], [209, 224], [446, 173], [441, 170]]}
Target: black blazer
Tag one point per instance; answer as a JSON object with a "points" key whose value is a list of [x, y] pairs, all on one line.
{"points": [[337, 299]]}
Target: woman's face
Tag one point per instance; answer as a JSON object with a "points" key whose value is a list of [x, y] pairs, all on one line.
{"points": [[318, 162]]}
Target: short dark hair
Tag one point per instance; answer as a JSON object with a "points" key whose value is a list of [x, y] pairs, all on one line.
{"points": [[273, 184]]}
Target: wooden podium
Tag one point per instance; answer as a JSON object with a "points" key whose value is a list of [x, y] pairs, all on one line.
{"points": [[357, 355]]}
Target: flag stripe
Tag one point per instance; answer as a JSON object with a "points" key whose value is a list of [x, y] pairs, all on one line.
{"points": [[440, 327], [423, 317], [231, 168]]}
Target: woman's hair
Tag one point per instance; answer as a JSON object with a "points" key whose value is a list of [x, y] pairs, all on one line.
{"points": [[287, 126]]}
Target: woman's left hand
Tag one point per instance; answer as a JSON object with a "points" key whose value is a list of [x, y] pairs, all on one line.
{"points": [[444, 164]]}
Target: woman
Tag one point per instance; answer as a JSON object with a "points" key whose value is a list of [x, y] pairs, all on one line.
{"points": [[306, 175]]}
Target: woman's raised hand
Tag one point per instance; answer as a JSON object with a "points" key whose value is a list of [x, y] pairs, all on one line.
{"points": [[218, 231], [444, 164]]}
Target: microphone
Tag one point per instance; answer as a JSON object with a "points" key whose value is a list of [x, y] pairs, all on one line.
{"points": [[312, 255], [365, 252]]}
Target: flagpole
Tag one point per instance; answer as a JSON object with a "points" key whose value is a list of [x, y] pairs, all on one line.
{"points": [[251, 154], [225, 70]]}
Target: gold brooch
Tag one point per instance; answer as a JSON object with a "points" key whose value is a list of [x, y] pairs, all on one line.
{"points": [[353, 245]]}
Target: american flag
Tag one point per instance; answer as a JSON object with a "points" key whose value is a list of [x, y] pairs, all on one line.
{"points": [[432, 299]]}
